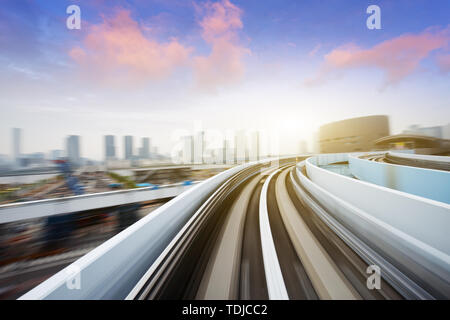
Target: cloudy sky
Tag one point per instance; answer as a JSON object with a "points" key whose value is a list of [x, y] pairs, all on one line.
{"points": [[161, 68]]}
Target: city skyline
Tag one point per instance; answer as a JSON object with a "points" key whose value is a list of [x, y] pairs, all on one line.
{"points": [[201, 147], [245, 144], [71, 149], [219, 65]]}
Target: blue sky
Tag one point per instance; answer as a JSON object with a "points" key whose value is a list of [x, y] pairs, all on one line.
{"points": [[213, 60]]}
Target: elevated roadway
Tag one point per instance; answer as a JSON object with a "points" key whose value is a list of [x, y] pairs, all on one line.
{"points": [[272, 229]]}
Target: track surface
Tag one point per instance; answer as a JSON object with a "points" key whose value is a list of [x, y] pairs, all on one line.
{"points": [[259, 240]]}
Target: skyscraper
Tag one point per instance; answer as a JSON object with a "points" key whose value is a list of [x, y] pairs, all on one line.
{"points": [[220, 154], [128, 141], [110, 148], [254, 146], [16, 139], [225, 151], [199, 147], [145, 149], [73, 149], [229, 152]]}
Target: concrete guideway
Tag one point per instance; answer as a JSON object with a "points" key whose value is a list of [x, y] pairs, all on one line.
{"points": [[419, 160], [274, 277], [430, 184], [181, 270], [263, 232], [414, 239], [221, 279], [327, 279]]}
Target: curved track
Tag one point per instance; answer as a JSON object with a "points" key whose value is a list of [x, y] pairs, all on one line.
{"points": [[255, 238], [411, 162]]}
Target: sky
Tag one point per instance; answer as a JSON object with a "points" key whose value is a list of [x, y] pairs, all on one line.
{"points": [[165, 68]]}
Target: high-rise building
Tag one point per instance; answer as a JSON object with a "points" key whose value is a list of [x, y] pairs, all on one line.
{"points": [[73, 149], [253, 151], [225, 151], [188, 149], [16, 139], [145, 149], [220, 154], [128, 150], [229, 158], [110, 148], [199, 147]]}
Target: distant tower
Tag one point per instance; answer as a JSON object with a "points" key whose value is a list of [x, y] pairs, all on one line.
{"points": [[73, 149], [199, 147], [145, 150], [128, 141], [16, 139], [225, 151], [110, 148], [254, 146]]}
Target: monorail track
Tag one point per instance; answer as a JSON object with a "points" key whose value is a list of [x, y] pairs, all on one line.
{"points": [[261, 235], [251, 240]]}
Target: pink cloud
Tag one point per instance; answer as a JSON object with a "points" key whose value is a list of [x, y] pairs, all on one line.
{"points": [[117, 50], [397, 58], [120, 50], [220, 25], [444, 62]]}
